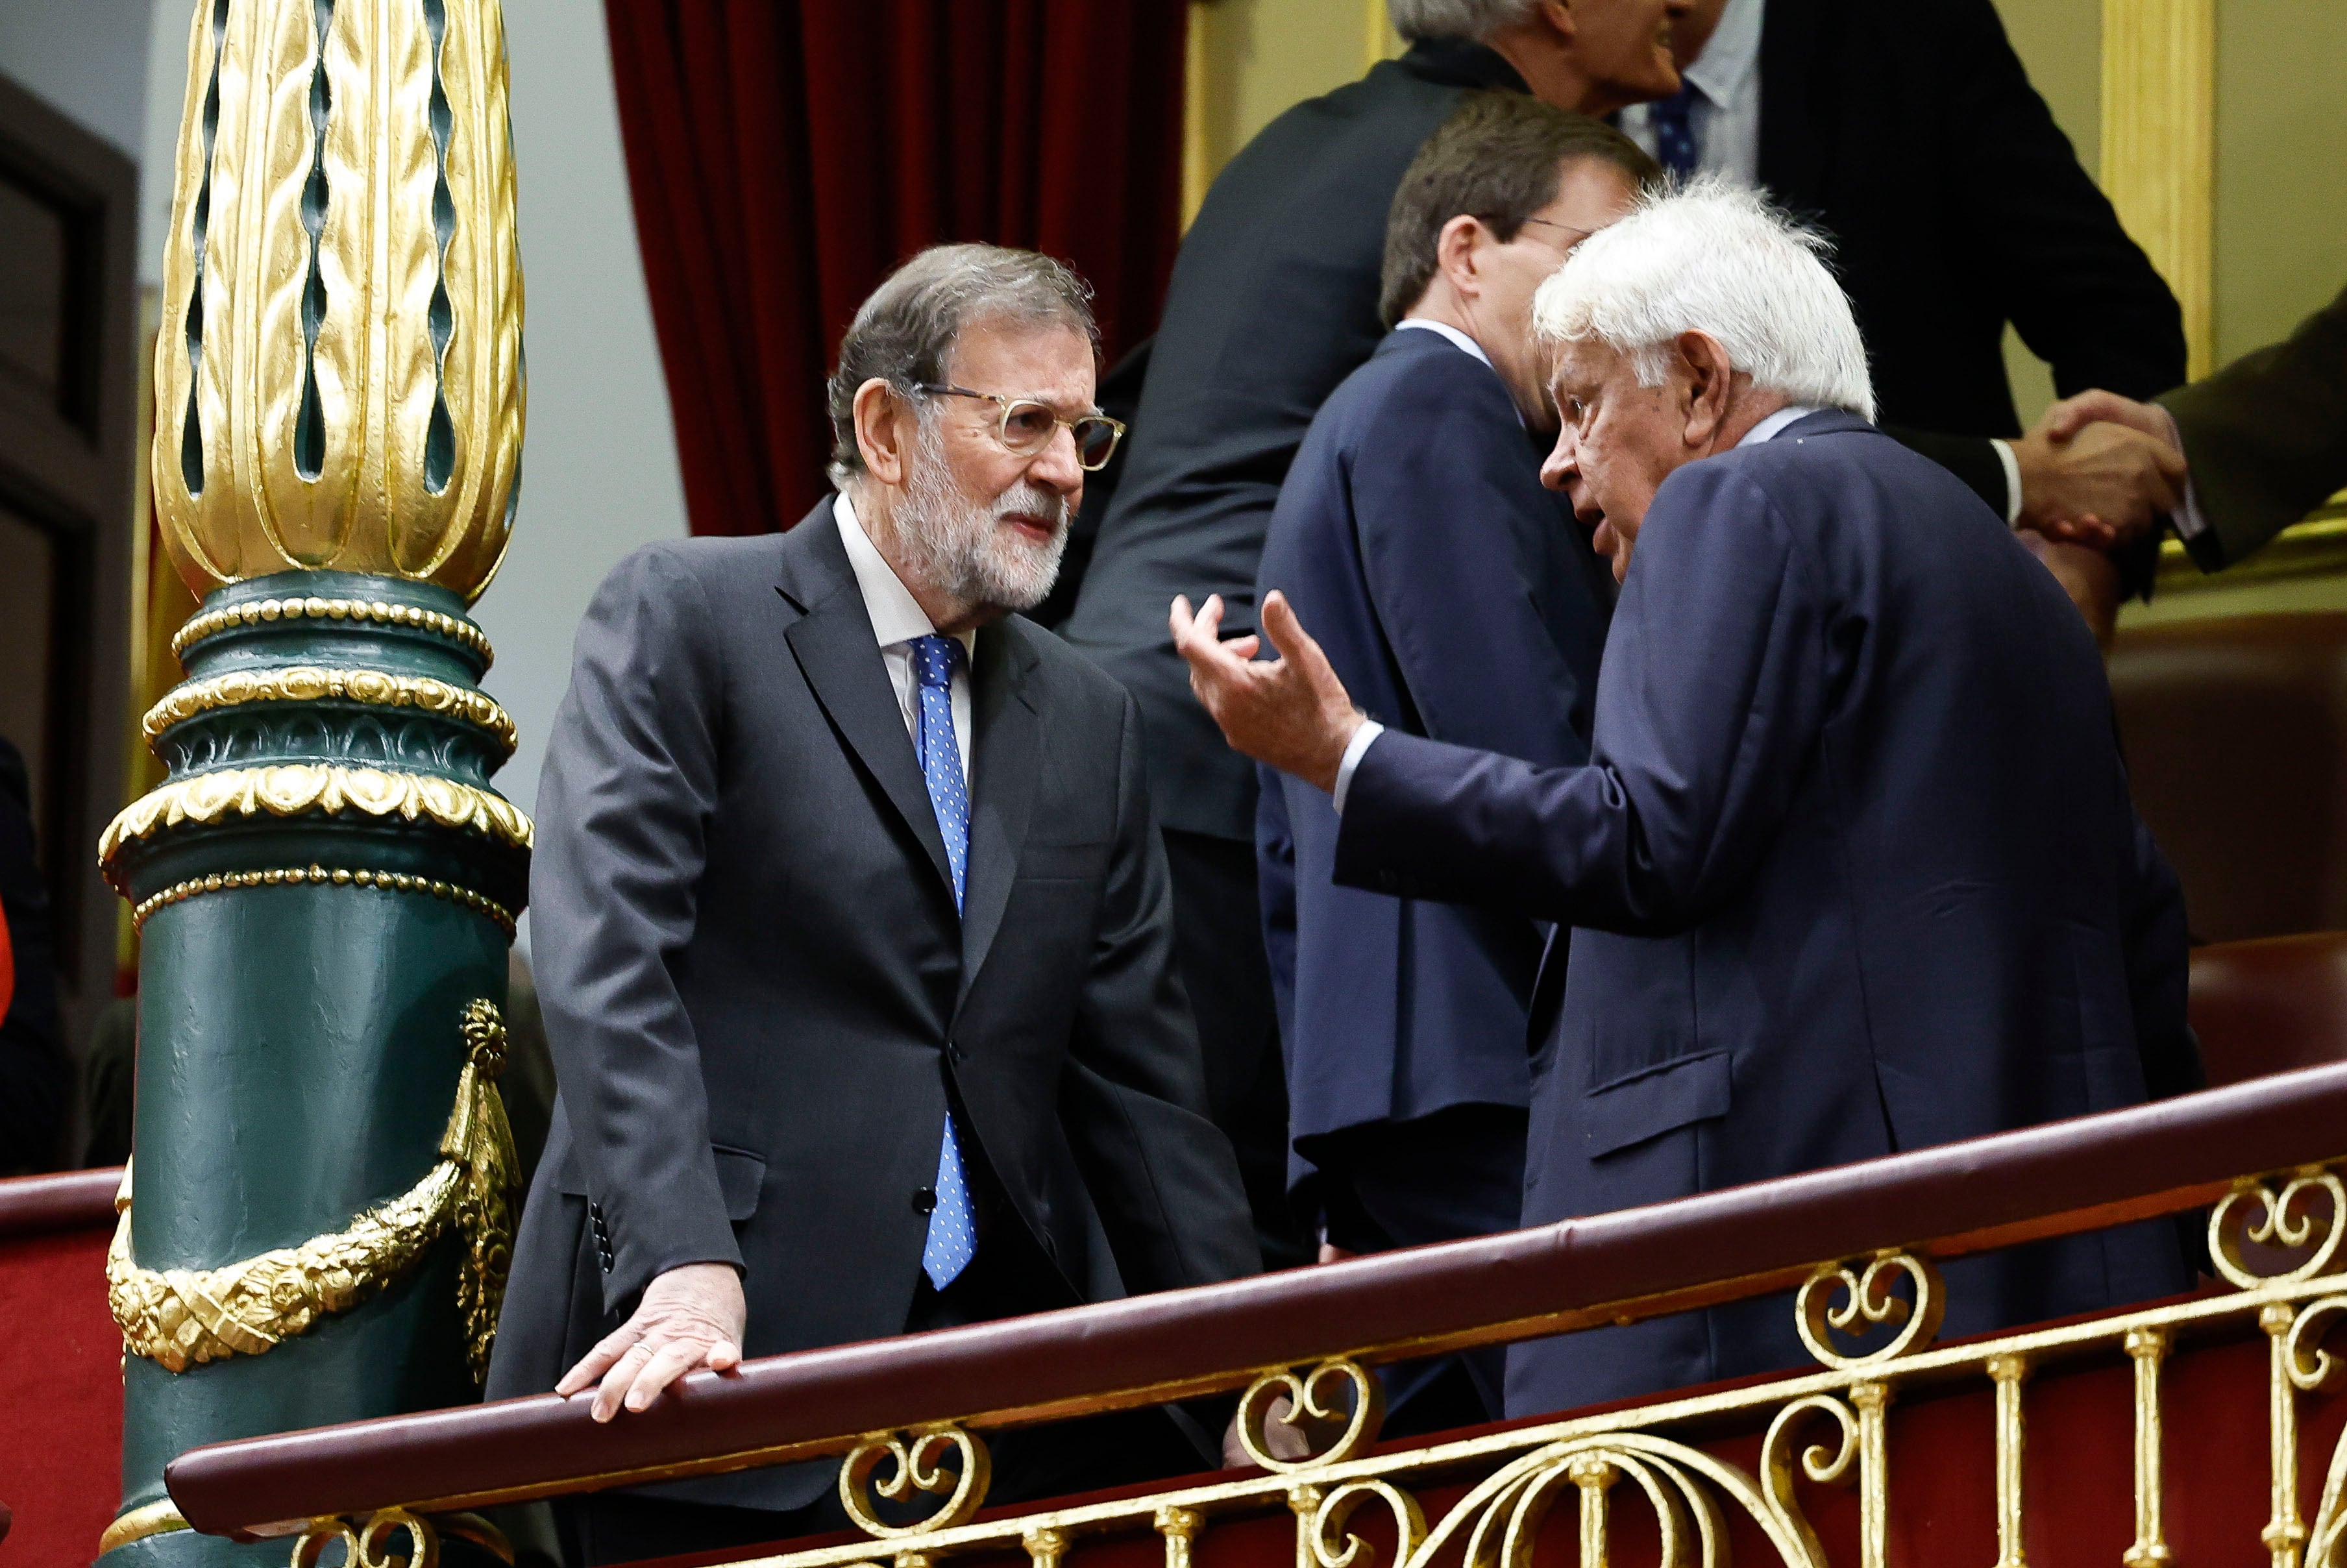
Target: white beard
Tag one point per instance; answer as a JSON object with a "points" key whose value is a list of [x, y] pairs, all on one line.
{"points": [[963, 548]]}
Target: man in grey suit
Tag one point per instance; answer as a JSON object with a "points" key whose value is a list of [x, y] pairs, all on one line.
{"points": [[853, 930]]}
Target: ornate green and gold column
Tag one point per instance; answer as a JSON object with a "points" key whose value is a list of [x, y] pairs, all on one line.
{"points": [[325, 885]]}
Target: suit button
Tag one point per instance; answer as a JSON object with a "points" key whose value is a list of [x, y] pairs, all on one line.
{"points": [[924, 1200], [954, 1050]]}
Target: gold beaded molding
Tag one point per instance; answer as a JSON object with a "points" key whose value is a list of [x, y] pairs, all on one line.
{"points": [[310, 683], [294, 875], [295, 789], [454, 628]]}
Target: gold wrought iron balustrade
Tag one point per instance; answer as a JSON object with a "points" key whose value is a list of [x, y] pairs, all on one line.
{"points": [[910, 1414]]}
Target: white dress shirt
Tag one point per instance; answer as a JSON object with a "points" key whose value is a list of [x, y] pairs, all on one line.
{"points": [[1461, 340], [896, 618], [1725, 113], [1446, 330], [1369, 730]]}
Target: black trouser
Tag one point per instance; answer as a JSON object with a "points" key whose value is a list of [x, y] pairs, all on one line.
{"points": [[1009, 1274], [1218, 943], [1457, 1172]]}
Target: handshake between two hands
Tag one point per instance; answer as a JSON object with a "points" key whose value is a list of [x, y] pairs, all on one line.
{"points": [[2099, 470]]}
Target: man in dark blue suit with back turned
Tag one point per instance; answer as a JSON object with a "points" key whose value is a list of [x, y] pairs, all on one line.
{"points": [[1456, 599], [1852, 864]]}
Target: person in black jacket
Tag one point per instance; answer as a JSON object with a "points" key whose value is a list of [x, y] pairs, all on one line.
{"points": [[1273, 301], [36, 1082], [1909, 134]]}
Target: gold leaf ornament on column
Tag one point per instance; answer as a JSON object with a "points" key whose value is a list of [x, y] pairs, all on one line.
{"points": [[339, 375]]}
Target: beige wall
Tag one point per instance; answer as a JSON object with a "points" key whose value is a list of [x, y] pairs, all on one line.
{"points": [[2282, 166]]}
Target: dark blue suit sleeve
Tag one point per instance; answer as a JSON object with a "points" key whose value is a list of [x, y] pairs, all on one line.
{"points": [[1451, 516], [1709, 708], [2159, 964]]}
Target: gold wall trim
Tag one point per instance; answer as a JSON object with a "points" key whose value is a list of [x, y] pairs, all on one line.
{"points": [[1197, 140], [319, 875], [454, 627], [296, 789], [2159, 148], [179, 1319], [153, 1519], [311, 683]]}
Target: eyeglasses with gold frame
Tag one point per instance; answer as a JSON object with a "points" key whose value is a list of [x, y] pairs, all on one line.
{"points": [[1026, 427]]}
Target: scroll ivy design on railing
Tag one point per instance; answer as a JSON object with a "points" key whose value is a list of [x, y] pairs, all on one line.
{"points": [[179, 1317], [1872, 1323]]}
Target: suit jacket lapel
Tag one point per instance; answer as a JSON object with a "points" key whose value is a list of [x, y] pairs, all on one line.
{"points": [[832, 639], [1007, 755]]}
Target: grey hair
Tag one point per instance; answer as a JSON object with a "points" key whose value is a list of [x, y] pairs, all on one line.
{"points": [[1473, 20], [1714, 259], [904, 332]]}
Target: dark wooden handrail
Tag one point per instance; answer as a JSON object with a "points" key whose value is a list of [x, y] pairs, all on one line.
{"points": [[2059, 1179], [71, 1200]]}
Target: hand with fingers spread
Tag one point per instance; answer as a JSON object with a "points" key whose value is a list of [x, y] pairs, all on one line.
{"points": [[1291, 712], [689, 1318], [2099, 470]]}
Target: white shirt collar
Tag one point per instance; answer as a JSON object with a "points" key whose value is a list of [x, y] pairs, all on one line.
{"points": [[1446, 330], [1767, 428], [1730, 64], [896, 615]]}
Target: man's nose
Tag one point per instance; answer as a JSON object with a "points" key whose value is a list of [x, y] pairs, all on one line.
{"points": [[1562, 463], [1056, 465]]}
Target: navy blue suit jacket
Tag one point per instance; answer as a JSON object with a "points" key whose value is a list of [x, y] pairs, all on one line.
{"points": [[1855, 871], [1457, 598]]}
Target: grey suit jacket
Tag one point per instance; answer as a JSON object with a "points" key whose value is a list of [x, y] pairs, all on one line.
{"points": [[760, 996]]}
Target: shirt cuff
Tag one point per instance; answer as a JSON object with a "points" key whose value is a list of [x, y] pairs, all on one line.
{"points": [[1370, 731], [2190, 520], [2011, 481]]}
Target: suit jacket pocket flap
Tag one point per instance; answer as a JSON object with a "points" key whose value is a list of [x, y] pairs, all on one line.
{"points": [[740, 1174], [1655, 1101]]}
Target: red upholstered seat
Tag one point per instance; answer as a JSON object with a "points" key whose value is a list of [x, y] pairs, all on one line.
{"points": [[2236, 735], [2268, 1006]]}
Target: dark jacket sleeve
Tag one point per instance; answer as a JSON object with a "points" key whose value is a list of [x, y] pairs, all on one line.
{"points": [[1449, 513], [1132, 1099], [2082, 296], [2266, 437], [1969, 458], [1712, 695], [1275, 886], [631, 781]]}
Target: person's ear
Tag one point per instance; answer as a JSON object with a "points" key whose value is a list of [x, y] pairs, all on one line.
{"points": [[1456, 257], [1703, 360], [1556, 15], [883, 430]]}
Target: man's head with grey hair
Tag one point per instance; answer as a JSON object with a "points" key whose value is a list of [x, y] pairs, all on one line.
{"points": [[1677, 331], [1591, 56], [904, 332], [958, 385], [1473, 20]]}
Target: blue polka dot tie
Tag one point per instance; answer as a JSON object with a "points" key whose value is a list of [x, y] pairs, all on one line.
{"points": [[953, 1231], [1673, 119]]}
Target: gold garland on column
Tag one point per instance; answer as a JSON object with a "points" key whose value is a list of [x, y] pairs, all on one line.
{"points": [[179, 1317]]}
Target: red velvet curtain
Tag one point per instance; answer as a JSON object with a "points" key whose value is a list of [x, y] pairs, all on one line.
{"points": [[785, 155]]}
